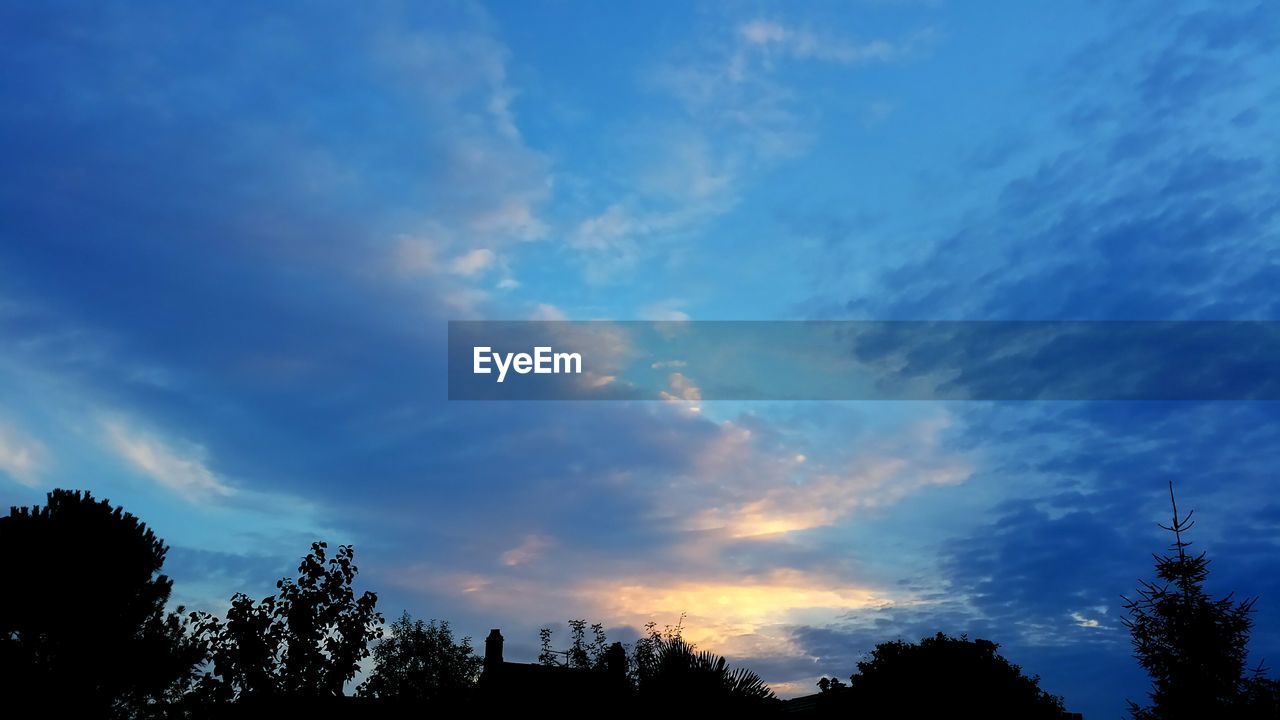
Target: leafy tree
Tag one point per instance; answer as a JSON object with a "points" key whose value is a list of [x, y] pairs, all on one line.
{"points": [[243, 651], [83, 625], [583, 653], [421, 662], [944, 676], [1194, 646], [306, 641]]}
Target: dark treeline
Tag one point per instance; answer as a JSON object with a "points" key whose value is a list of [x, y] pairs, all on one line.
{"points": [[87, 632]]}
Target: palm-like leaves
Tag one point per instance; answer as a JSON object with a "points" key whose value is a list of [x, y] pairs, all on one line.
{"points": [[676, 671]]}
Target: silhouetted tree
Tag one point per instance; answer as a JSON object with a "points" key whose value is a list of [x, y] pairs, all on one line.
{"points": [[1193, 646], [672, 673], [1260, 697], [831, 685], [645, 653], [583, 654], [943, 676], [421, 662], [306, 641], [83, 627]]}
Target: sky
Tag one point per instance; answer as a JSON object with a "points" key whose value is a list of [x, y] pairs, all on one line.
{"points": [[232, 235]]}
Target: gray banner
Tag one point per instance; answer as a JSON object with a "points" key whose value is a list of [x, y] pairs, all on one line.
{"points": [[697, 361]]}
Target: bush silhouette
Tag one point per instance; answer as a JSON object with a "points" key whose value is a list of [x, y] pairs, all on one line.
{"points": [[83, 625], [944, 676]]}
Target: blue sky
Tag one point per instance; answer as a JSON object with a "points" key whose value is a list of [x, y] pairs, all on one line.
{"points": [[232, 236]]}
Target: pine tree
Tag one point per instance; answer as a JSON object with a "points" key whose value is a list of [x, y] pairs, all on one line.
{"points": [[1193, 646], [84, 627]]}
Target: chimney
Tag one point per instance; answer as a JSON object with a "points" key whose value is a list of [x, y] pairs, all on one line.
{"points": [[616, 660], [493, 651]]}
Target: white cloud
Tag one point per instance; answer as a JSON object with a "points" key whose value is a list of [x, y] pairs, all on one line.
{"points": [[485, 186], [182, 472], [529, 550], [473, 262], [760, 32], [546, 312], [746, 490], [491, 183], [22, 457], [603, 231], [807, 45], [737, 118], [682, 388], [1085, 622], [684, 392]]}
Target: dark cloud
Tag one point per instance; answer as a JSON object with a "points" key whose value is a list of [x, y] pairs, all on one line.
{"points": [[1154, 206]]}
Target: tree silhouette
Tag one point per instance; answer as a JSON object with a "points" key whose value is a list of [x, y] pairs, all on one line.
{"points": [[421, 662], [645, 655], [583, 654], [943, 676], [670, 672], [663, 670], [830, 685], [1193, 646], [83, 625], [307, 641]]}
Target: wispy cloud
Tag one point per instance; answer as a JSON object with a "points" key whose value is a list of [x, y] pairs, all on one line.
{"points": [[738, 116], [801, 44], [530, 549], [761, 492], [489, 183], [183, 472], [22, 457], [472, 262]]}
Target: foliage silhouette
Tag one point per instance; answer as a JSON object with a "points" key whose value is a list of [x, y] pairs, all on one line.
{"points": [[420, 662], [663, 670], [306, 641], [89, 634], [942, 676], [583, 654], [670, 672], [831, 685], [647, 648], [1194, 646], [83, 625]]}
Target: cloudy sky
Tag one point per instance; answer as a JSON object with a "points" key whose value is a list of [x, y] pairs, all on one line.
{"points": [[231, 238]]}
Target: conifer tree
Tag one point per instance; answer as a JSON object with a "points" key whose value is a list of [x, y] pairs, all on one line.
{"points": [[1193, 645]]}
